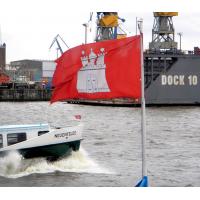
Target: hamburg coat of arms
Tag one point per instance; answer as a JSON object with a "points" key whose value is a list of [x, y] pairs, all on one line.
{"points": [[92, 75]]}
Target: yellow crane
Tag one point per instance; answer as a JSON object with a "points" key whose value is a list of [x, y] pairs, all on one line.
{"points": [[107, 25], [165, 14]]}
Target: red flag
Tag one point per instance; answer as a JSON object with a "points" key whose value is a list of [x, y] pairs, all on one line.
{"points": [[101, 70], [77, 117]]}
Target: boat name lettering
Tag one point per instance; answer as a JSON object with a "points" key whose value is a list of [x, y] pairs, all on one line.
{"points": [[65, 134], [179, 80]]}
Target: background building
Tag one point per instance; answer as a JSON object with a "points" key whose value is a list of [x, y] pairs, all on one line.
{"points": [[2, 56], [33, 71]]}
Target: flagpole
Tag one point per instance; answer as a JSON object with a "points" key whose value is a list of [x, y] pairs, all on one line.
{"points": [[144, 181]]}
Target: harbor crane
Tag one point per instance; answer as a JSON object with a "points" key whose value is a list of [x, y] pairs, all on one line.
{"points": [[107, 25], [163, 32], [55, 40]]}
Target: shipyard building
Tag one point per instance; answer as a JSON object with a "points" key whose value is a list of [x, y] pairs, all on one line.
{"points": [[3, 76], [2, 56], [33, 71]]}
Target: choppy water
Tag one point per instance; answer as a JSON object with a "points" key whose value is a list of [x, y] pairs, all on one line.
{"points": [[110, 153]]}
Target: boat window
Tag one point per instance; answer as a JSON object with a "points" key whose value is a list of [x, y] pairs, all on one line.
{"points": [[1, 141], [14, 138], [42, 132]]}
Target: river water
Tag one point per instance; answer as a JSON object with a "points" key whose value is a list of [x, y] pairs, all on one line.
{"points": [[110, 153]]}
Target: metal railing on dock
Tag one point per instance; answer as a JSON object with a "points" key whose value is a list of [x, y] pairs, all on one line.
{"points": [[25, 95]]}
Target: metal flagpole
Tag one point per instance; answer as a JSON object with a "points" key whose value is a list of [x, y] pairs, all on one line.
{"points": [[144, 181], [136, 26]]}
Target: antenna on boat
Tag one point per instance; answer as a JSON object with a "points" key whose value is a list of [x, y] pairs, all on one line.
{"points": [[144, 180]]}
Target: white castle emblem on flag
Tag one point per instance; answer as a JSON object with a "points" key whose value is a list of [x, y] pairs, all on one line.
{"points": [[92, 75]]}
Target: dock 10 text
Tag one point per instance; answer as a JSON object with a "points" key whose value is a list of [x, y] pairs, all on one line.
{"points": [[179, 80]]}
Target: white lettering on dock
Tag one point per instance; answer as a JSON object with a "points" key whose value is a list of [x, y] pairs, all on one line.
{"points": [[173, 80], [193, 80]]}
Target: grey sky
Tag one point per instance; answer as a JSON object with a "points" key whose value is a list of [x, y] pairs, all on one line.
{"points": [[28, 27]]}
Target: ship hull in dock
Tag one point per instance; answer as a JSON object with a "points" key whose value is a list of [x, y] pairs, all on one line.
{"points": [[177, 82]]}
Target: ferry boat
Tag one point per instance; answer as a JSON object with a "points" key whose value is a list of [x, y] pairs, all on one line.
{"points": [[40, 140]]}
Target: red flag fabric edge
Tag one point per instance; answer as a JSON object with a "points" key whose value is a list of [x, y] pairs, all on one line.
{"points": [[123, 74]]}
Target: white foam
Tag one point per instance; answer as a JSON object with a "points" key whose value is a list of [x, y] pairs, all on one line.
{"points": [[10, 164], [14, 166], [79, 162]]}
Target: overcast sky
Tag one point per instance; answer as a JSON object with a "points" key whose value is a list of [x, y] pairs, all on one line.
{"points": [[29, 26]]}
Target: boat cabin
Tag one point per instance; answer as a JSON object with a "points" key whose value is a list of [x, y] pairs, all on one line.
{"points": [[13, 134]]}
